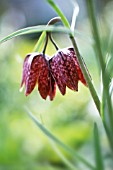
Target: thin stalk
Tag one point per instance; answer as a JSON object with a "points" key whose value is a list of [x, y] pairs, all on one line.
{"points": [[53, 42], [98, 150], [48, 35], [103, 113], [105, 80], [45, 35], [110, 136]]}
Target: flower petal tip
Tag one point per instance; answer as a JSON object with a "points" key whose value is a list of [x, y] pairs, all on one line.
{"points": [[26, 94], [21, 88]]}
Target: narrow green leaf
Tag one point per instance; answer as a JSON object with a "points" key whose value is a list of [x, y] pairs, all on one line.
{"points": [[59, 142], [98, 152], [63, 158], [40, 42], [105, 119], [105, 74], [60, 13], [109, 67], [41, 28], [36, 29], [75, 14]]}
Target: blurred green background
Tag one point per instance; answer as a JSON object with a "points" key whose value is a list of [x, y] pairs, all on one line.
{"points": [[71, 117]]}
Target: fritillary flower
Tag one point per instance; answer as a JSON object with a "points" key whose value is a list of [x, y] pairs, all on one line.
{"points": [[36, 71], [66, 70]]}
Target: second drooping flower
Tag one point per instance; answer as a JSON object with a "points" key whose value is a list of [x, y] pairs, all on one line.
{"points": [[66, 70]]}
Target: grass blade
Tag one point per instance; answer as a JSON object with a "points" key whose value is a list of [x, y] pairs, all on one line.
{"points": [[75, 14], [98, 152], [59, 142], [105, 74], [63, 158], [36, 29], [41, 28]]}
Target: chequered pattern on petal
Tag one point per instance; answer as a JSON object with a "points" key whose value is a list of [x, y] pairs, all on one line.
{"points": [[31, 70], [25, 70], [79, 71], [64, 71], [56, 67], [44, 79], [33, 73], [69, 71], [36, 70]]}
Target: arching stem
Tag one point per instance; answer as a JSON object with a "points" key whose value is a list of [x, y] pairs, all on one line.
{"points": [[48, 34], [46, 41], [53, 42]]}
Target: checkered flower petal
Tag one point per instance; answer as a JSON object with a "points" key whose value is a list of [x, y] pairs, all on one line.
{"points": [[56, 68], [70, 73], [25, 70], [44, 79], [79, 71], [66, 70], [30, 72]]}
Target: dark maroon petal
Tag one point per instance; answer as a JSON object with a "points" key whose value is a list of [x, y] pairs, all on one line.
{"points": [[52, 91], [25, 70], [44, 79], [57, 72], [32, 72], [70, 72], [79, 71], [64, 71]]}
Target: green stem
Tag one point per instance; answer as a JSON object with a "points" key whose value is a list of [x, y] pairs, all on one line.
{"points": [[97, 149], [106, 125], [56, 8], [86, 75], [101, 60], [110, 136]]}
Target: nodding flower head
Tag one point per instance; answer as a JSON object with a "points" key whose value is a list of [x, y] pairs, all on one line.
{"points": [[66, 70], [36, 71], [62, 69]]}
